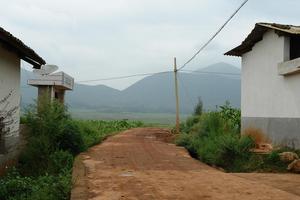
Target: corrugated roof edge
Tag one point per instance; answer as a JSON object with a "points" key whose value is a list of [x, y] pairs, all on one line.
{"points": [[24, 52], [257, 34]]}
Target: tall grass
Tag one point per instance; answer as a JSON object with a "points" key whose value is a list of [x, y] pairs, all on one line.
{"points": [[214, 138]]}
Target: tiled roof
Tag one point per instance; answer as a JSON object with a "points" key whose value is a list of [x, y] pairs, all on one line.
{"points": [[257, 35]]}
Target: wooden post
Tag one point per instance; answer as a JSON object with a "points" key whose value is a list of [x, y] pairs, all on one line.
{"points": [[177, 97]]}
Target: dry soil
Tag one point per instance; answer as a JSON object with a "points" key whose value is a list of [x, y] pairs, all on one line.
{"points": [[138, 164]]}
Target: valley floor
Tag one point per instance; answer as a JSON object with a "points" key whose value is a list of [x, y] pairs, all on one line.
{"points": [[139, 164], [149, 118]]}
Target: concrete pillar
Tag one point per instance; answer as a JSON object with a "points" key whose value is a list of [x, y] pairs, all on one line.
{"points": [[59, 95], [45, 91], [51, 92]]}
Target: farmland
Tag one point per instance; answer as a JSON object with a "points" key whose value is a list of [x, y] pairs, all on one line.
{"points": [[149, 118]]}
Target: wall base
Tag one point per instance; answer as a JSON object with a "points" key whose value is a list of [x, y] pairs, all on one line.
{"points": [[282, 131], [13, 146]]}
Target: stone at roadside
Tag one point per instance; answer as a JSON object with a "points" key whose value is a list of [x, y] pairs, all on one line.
{"points": [[294, 166], [288, 156], [265, 146], [262, 148], [221, 169]]}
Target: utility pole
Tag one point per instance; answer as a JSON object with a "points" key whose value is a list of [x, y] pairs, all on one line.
{"points": [[177, 96]]}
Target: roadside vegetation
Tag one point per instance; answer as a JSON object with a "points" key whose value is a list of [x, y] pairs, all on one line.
{"points": [[214, 138], [54, 139]]}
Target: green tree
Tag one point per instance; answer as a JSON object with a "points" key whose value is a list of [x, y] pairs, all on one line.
{"points": [[198, 110]]}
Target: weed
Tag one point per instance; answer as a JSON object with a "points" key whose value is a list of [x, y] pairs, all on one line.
{"points": [[59, 161], [232, 116]]}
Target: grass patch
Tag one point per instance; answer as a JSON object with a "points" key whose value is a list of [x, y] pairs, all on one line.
{"points": [[161, 119], [215, 142]]}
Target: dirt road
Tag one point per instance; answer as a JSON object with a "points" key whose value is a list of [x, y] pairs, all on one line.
{"points": [[138, 165]]}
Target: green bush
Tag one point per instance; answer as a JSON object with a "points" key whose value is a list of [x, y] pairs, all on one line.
{"points": [[272, 163], [207, 150], [34, 159], [212, 137], [198, 110], [44, 169], [23, 120], [212, 124], [232, 116], [53, 122], [59, 161], [50, 187], [13, 186], [234, 152], [69, 138], [189, 124], [47, 187], [227, 151], [51, 130], [183, 140]]}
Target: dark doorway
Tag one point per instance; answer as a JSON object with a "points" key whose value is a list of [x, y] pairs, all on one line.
{"points": [[294, 47]]}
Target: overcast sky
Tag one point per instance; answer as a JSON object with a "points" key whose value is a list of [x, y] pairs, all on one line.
{"points": [[93, 39]]}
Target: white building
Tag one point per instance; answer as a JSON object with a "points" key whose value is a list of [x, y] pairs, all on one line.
{"points": [[12, 50], [271, 81]]}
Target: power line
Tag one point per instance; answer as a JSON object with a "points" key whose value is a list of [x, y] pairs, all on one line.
{"points": [[184, 65], [213, 37], [123, 77], [207, 72], [149, 74]]}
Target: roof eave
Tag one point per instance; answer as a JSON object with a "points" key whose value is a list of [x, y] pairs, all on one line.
{"points": [[25, 53], [233, 53], [247, 45]]}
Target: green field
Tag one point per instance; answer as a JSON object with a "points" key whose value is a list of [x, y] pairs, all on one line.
{"points": [[149, 118]]}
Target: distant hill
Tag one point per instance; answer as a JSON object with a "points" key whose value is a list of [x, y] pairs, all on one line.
{"points": [[155, 93], [28, 93], [91, 97]]}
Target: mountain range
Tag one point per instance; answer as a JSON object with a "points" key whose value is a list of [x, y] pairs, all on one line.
{"points": [[214, 84]]}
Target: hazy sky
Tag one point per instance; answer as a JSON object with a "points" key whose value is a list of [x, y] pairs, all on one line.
{"points": [[93, 39]]}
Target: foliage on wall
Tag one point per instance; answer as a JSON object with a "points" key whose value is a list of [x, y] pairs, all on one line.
{"points": [[7, 120]]}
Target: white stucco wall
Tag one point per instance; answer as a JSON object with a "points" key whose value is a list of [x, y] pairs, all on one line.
{"points": [[10, 82], [264, 92]]}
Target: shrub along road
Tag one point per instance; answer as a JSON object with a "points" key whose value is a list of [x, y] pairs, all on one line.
{"points": [[139, 164]]}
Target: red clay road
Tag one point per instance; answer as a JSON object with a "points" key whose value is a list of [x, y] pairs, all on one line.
{"points": [[139, 165]]}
